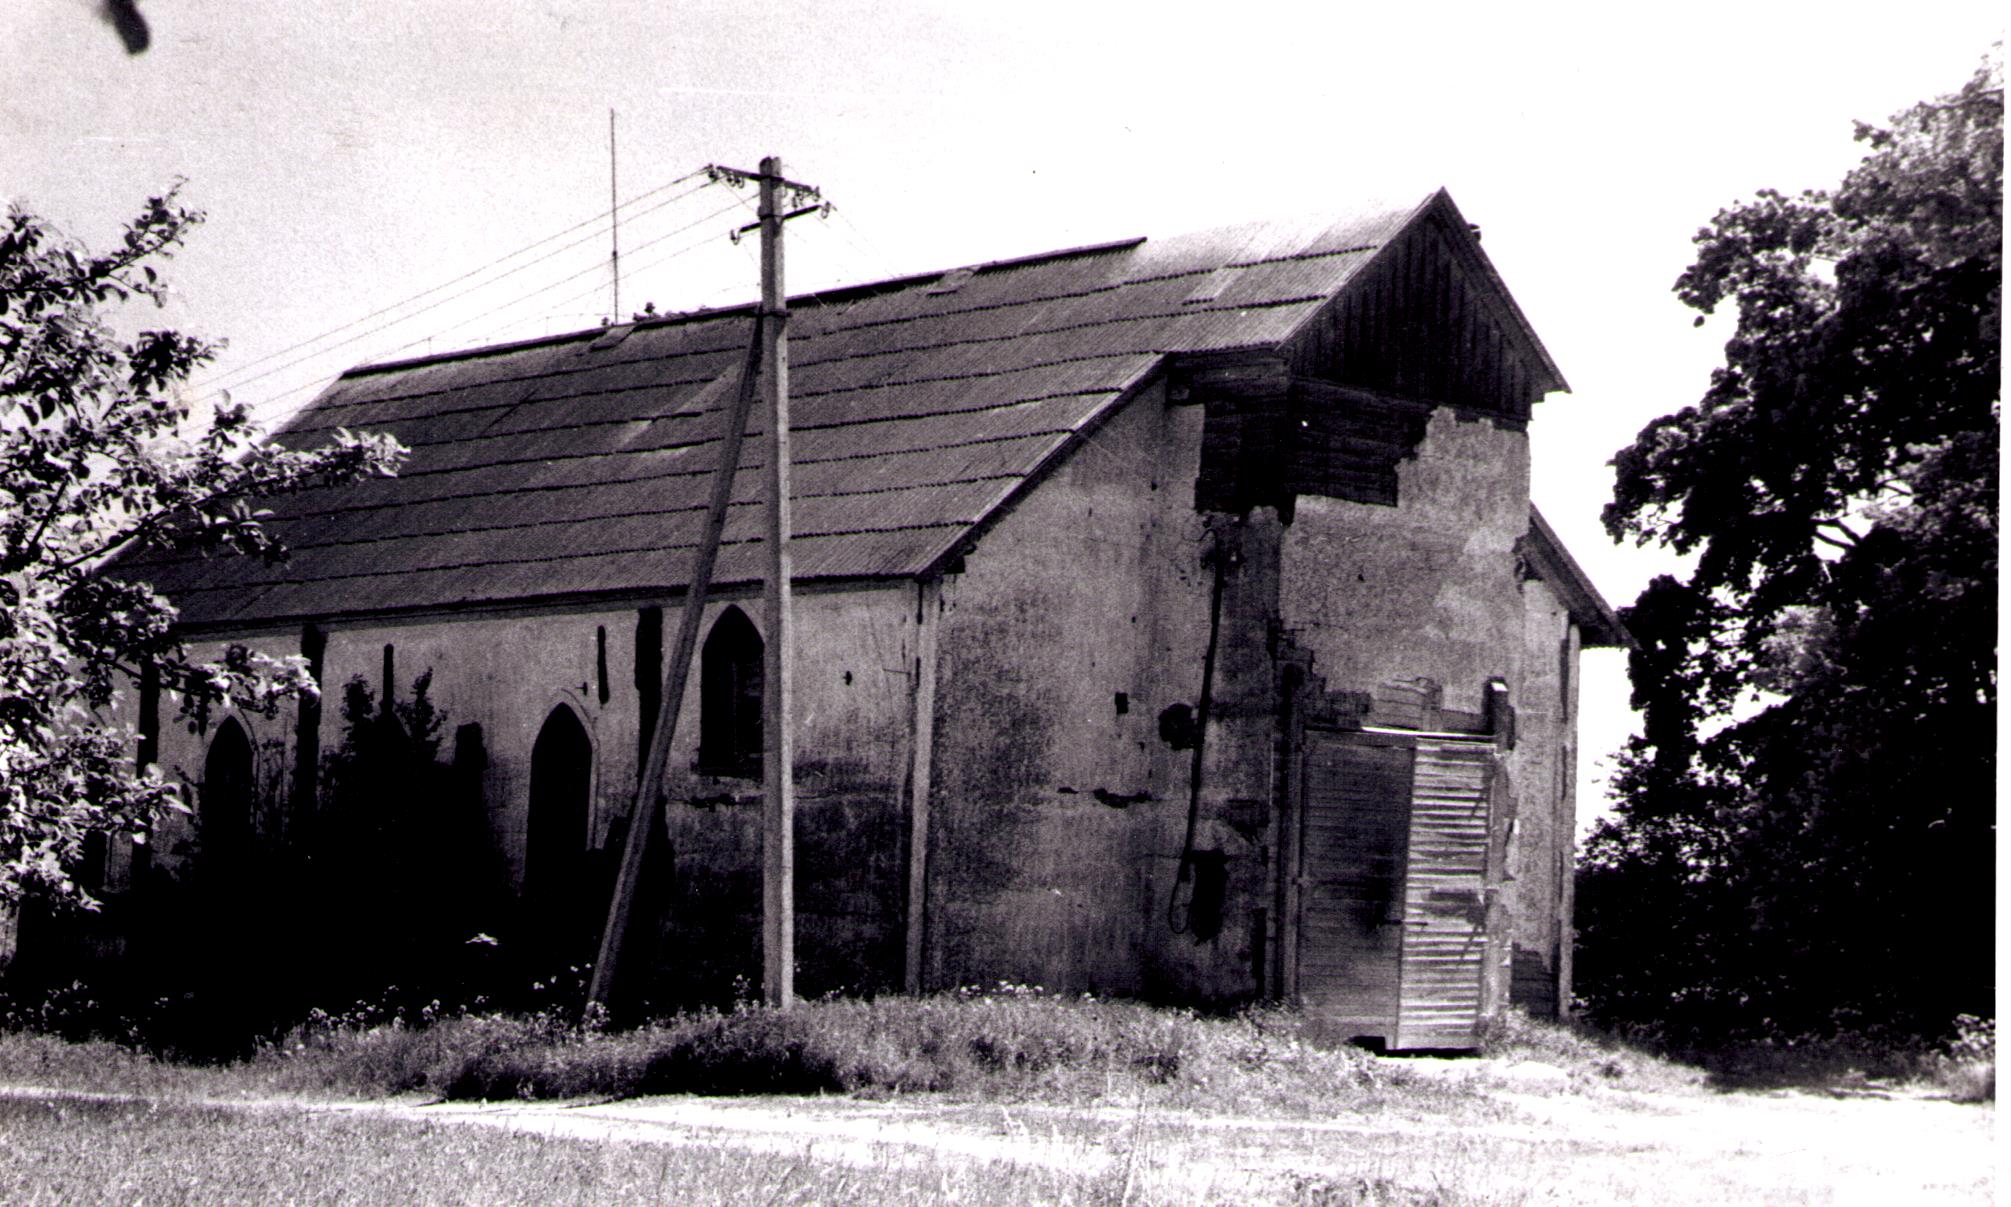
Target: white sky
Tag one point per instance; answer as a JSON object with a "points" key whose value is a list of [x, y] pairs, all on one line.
{"points": [[353, 155]]}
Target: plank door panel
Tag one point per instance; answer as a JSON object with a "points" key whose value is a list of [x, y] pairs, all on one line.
{"points": [[1356, 826], [1445, 896]]}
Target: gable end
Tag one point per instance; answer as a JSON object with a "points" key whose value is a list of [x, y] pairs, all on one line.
{"points": [[1429, 319]]}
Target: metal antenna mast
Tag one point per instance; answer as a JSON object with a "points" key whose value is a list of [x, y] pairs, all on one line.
{"points": [[613, 222]]}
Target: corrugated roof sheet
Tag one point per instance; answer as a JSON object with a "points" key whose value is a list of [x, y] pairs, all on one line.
{"points": [[581, 464]]}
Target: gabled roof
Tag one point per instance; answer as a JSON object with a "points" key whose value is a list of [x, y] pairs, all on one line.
{"points": [[577, 466]]}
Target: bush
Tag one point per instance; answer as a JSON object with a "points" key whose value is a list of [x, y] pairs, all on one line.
{"points": [[1007, 1042], [1966, 1066]]}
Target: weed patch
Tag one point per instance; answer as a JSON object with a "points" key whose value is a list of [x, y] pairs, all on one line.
{"points": [[1015, 1044], [1586, 1056]]}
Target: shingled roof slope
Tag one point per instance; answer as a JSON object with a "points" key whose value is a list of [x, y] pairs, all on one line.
{"points": [[578, 465]]}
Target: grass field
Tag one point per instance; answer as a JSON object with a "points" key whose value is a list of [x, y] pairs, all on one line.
{"points": [[1009, 1097], [74, 1151]]}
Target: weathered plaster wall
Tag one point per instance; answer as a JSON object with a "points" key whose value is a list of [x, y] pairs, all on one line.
{"points": [[1433, 588], [1541, 765], [507, 672], [1058, 812], [1426, 588], [853, 679]]}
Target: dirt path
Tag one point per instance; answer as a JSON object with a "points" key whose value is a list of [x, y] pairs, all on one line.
{"points": [[1563, 1147], [1523, 1138]]}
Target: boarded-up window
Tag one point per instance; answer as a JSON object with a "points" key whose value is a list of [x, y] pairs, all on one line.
{"points": [[729, 707]]}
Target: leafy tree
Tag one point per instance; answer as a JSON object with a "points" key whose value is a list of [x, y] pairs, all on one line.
{"points": [[94, 467], [1803, 841]]}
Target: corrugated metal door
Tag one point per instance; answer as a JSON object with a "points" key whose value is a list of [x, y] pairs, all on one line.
{"points": [[1355, 828], [1445, 895]]}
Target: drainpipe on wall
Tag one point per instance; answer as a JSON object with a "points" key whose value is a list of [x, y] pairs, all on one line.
{"points": [[1221, 557]]}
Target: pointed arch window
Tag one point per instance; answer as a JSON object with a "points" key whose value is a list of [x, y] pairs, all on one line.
{"points": [[729, 698], [555, 841], [224, 805]]}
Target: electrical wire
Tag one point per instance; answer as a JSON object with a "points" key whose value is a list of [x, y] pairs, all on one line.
{"points": [[433, 305], [541, 291], [217, 381], [275, 402]]}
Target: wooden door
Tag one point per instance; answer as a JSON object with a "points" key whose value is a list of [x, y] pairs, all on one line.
{"points": [[1445, 895], [1354, 835], [1392, 922]]}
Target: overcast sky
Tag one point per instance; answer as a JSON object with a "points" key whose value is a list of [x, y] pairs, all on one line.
{"points": [[353, 156]]}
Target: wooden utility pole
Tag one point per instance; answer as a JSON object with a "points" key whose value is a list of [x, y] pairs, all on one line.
{"points": [[778, 796], [642, 819], [770, 342]]}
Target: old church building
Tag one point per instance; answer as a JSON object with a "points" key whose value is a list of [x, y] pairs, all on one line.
{"points": [[1172, 622]]}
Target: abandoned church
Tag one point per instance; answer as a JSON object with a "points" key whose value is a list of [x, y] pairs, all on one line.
{"points": [[1172, 622]]}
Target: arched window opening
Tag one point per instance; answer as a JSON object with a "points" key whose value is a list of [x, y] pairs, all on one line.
{"points": [[223, 812], [729, 698], [555, 839], [559, 896]]}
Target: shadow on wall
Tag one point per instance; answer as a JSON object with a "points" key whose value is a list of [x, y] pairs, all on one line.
{"points": [[389, 889]]}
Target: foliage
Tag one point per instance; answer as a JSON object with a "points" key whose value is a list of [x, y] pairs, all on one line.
{"points": [[387, 889], [407, 827], [1803, 839], [983, 1045], [94, 469]]}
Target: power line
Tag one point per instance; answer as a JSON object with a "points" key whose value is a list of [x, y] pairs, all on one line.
{"points": [[269, 403], [592, 268], [217, 381], [436, 304]]}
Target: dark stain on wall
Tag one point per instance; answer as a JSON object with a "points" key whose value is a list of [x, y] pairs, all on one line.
{"points": [[648, 678], [850, 888], [982, 819]]}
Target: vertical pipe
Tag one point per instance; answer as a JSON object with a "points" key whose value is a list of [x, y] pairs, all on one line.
{"points": [[778, 912]]}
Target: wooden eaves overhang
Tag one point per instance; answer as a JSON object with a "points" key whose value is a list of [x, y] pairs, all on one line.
{"points": [[1334, 407], [1548, 559]]}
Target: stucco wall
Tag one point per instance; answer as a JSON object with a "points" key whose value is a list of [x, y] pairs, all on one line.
{"points": [[507, 673], [1058, 813], [1426, 588], [1541, 764], [853, 681], [1432, 588]]}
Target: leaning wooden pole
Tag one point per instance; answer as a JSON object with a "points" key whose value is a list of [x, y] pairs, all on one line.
{"points": [[649, 787], [778, 831]]}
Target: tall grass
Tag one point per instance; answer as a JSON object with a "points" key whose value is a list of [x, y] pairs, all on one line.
{"points": [[998, 1045], [1586, 1056], [1960, 1065]]}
